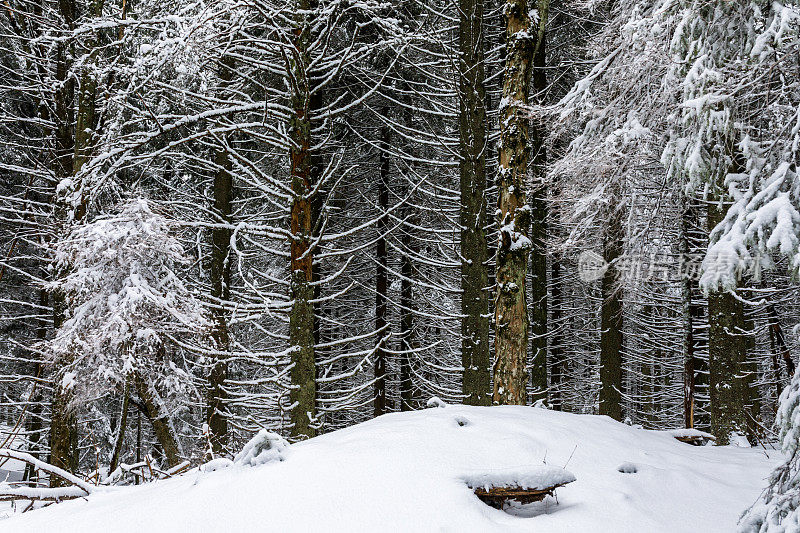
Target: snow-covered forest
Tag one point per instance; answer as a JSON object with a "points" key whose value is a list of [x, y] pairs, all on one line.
{"points": [[230, 229]]}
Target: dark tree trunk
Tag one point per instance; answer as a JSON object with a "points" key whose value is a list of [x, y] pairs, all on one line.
{"points": [[556, 349], [539, 227], [611, 322], [301, 318], [473, 219], [727, 352], [408, 245], [692, 312], [727, 344], [780, 341], [382, 275], [63, 423], [123, 424], [216, 415], [162, 427]]}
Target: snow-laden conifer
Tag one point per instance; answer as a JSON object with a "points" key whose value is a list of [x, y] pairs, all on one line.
{"points": [[778, 508], [125, 303]]}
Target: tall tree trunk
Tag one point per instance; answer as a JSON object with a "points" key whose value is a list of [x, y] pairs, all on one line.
{"points": [[727, 346], [382, 276], [727, 354], [408, 244], [63, 422], [611, 322], [472, 170], [539, 223], [406, 327], [691, 312], [511, 313], [86, 118], [556, 349], [216, 416], [301, 318]]}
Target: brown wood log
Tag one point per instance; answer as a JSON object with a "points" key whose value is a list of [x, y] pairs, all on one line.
{"points": [[497, 496]]}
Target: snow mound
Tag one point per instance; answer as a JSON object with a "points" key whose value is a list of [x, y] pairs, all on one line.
{"points": [[435, 401], [535, 478], [690, 433], [265, 447], [216, 464], [406, 472]]}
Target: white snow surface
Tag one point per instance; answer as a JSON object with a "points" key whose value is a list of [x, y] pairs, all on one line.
{"points": [[407, 472], [534, 477]]}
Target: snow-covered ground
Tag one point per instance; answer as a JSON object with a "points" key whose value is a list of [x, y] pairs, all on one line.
{"points": [[407, 472], [10, 469]]}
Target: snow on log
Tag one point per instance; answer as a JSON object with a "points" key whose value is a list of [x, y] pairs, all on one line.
{"points": [[45, 467], [694, 437], [524, 486], [40, 493]]}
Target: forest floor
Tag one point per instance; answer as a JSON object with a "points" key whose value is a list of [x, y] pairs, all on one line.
{"points": [[407, 472]]}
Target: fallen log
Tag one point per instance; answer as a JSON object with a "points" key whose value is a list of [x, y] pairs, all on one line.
{"points": [[79, 489], [41, 494], [497, 496], [532, 484], [45, 467], [692, 436]]}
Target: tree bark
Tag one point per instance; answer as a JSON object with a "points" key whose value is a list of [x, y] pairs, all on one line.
{"points": [[473, 219], [216, 415], [511, 313], [381, 276], [123, 424], [780, 341], [727, 345], [301, 318], [611, 322], [408, 244], [63, 422], [162, 426], [694, 366], [539, 212]]}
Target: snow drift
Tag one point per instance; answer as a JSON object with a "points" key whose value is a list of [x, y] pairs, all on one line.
{"points": [[409, 472]]}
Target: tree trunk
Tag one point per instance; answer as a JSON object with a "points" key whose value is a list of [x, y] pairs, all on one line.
{"points": [[301, 318], [381, 276], [162, 426], [472, 170], [691, 313], [539, 210], [63, 422], [511, 313], [611, 322], [727, 354], [123, 424], [780, 341], [727, 347], [556, 349], [408, 245], [216, 415]]}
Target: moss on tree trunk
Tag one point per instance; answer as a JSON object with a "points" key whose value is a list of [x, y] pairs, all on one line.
{"points": [[472, 170]]}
